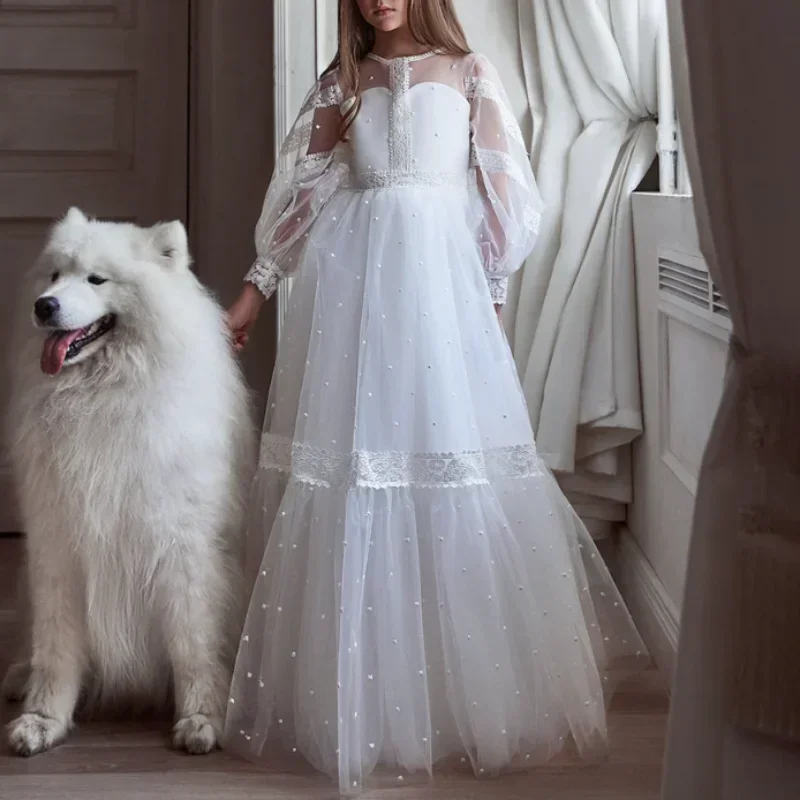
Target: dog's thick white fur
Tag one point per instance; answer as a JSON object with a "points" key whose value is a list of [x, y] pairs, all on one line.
{"points": [[132, 460]]}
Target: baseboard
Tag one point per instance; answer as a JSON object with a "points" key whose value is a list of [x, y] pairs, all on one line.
{"points": [[654, 612]]}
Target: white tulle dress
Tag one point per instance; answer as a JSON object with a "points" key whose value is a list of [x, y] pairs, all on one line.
{"points": [[422, 588]]}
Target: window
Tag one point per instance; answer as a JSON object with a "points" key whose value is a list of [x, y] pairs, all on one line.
{"points": [[673, 172]]}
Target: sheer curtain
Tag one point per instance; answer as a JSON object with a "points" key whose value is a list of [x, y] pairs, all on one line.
{"points": [[735, 725], [593, 63]]}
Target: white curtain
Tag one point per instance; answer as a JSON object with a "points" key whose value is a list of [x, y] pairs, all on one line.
{"points": [[590, 68], [735, 725]]}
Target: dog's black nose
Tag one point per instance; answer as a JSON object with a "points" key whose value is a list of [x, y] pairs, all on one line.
{"points": [[45, 308]]}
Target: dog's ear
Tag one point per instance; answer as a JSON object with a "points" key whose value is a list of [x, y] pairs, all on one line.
{"points": [[75, 217], [67, 233], [171, 242]]}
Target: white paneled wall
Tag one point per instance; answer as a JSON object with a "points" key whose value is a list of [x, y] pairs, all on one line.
{"points": [[683, 334]]}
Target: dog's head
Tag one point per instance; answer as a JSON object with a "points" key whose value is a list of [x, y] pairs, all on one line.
{"points": [[89, 282]]}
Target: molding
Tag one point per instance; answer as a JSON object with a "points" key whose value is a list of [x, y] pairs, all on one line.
{"points": [[302, 51], [655, 614], [667, 117], [281, 84], [297, 54], [712, 326]]}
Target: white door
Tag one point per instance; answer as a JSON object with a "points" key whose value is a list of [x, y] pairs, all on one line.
{"points": [[93, 112]]}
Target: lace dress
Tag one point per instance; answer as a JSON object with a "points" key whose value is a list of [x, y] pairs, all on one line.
{"points": [[422, 588]]}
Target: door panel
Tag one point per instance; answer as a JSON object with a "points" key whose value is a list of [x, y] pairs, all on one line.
{"points": [[93, 112]]}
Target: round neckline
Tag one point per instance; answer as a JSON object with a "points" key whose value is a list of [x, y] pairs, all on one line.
{"points": [[418, 57]]}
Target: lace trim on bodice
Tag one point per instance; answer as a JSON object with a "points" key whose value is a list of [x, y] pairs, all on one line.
{"points": [[420, 179], [400, 140], [407, 59], [382, 470]]}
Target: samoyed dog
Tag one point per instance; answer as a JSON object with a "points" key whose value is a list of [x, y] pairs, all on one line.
{"points": [[132, 445]]}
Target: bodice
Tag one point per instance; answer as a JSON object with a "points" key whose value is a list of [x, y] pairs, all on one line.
{"points": [[410, 134]]}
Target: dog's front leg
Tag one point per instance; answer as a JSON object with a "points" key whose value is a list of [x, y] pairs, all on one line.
{"points": [[194, 602], [58, 654]]}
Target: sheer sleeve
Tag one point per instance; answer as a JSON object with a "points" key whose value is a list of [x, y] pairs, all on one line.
{"points": [[310, 168], [506, 204]]}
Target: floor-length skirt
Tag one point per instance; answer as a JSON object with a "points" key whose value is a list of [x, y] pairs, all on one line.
{"points": [[422, 588]]}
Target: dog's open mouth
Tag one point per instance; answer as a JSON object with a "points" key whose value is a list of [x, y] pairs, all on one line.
{"points": [[62, 346]]}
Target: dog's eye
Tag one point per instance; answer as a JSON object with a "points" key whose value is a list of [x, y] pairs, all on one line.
{"points": [[54, 277], [96, 280]]}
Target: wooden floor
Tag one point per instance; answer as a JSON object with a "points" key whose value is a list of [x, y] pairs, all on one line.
{"points": [[132, 761]]}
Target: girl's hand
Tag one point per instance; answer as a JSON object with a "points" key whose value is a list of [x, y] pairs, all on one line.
{"points": [[498, 309], [243, 314]]}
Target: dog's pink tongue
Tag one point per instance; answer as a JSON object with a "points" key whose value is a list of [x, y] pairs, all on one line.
{"points": [[55, 351]]}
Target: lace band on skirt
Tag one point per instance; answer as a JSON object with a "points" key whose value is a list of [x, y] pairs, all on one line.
{"points": [[381, 470]]}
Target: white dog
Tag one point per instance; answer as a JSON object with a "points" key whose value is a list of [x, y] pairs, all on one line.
{"points": [[131, 442]]}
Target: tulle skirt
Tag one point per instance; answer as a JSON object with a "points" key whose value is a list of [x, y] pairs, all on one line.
{"points": [[422, 588]]}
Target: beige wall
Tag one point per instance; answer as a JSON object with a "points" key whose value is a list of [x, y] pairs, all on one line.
{"points": [[682, 355]]}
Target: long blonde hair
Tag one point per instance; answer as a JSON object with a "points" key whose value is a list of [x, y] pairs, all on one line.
{"points": [[432, 23]]}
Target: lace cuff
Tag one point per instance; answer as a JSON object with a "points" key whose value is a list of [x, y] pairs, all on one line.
{"points": [[265, 275], [498, 288]]}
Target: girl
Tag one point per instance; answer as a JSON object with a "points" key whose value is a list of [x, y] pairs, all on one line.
{"points": [[421, 586]]}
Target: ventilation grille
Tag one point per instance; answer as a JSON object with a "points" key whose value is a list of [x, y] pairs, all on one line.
{"points": [[718, 305], [685, 279]]}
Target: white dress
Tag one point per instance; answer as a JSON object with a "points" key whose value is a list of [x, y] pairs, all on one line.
{"points": [[422, 588]]}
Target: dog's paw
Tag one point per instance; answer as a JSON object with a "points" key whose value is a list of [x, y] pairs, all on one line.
{"points": [[15, 682], [196, 734], [32, 733]]}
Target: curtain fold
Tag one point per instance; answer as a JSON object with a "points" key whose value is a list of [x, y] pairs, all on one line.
{"points": [[574, 331], [734, 730]]}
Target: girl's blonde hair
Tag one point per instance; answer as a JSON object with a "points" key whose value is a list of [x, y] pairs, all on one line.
{"points": [[433, 23]]}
